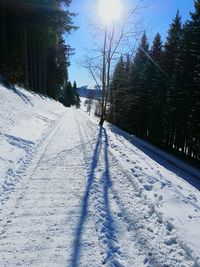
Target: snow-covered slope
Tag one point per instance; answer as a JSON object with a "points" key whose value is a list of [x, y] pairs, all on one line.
{"points": [[73, 194], [24, 121]]}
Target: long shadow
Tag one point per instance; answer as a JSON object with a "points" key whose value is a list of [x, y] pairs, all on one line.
{"points": [[85, 202], [108, 226], [15, 90], [190, 174]]}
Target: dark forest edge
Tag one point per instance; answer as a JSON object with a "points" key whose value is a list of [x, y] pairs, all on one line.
{"points": [[33, 53], [156, 94]]}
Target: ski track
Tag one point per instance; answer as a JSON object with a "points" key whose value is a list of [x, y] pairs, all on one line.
{"points": [[73, 203]]}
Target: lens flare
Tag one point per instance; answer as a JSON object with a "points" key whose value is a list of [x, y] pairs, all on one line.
{"points": [[110, 10]]}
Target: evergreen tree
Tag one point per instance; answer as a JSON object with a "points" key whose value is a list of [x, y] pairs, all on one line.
{"points": [[173, 45], [71, 96], [117, 86], [140, 82], [76, 97], [68, 94], [156, 93], [32, 50], [192, 80], [172, 66]]}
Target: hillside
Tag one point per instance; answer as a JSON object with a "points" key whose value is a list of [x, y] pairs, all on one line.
{"points": [[73, 194]]}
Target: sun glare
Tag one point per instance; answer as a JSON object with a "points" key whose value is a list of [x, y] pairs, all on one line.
{"points": [[110, 10]]}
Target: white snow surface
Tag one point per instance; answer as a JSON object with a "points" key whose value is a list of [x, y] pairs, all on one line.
{"points": [[73, 194]]}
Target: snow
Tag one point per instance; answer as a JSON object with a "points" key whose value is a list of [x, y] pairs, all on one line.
{"points": [[73, 194]]}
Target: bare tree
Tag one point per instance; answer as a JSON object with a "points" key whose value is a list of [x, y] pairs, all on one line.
{"points": [[115, 38]]}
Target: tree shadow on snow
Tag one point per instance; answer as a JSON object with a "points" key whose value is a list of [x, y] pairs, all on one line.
{"points": [[15, 90], [106, 223], [85, 203], [108, 227]]}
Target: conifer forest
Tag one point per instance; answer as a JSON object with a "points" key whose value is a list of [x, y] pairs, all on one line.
{"points": [[156, 94], [33, 53]]}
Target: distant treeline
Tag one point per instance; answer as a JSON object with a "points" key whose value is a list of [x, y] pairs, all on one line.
{"points": [[33, 53], [156, 94]]}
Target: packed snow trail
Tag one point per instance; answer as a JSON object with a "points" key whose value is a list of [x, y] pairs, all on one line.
{"points": [[86, 201]]}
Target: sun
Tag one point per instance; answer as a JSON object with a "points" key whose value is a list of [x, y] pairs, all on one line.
{"points": [[110, 10]]}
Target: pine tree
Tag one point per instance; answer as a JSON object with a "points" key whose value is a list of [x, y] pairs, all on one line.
{"points": [[192, 79], [156, 97], [172, 45], [33, 53], [68, 94], [117, 86], [156, 94], [76, 97], [140, 82], [172, 66]]}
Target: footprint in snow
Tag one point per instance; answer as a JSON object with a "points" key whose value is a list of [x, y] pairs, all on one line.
{"points": [[150, 229], [148, 187], [119, 214], [192, 197], [169, 226], [152, 180], [171, 241]]}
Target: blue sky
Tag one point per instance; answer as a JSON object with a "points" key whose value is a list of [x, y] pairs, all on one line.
{"points": [[156, 18]]}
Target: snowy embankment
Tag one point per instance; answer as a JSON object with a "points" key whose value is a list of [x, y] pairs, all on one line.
{"points": [[175, 163], [73, 194]]}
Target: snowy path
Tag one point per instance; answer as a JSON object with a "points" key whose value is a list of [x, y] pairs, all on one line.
{"points": [[84, 202]]}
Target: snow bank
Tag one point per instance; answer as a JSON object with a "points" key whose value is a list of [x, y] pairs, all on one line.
{"points": [[181, 168], [166, 156]]}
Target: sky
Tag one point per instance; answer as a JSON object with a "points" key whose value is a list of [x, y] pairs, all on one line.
{"points": [[155, 17]]}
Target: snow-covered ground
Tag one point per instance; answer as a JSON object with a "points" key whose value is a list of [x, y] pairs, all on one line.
{"points": [[72, 194]]}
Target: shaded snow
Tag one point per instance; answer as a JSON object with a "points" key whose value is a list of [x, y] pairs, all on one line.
{"points": [[73, 194]]}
